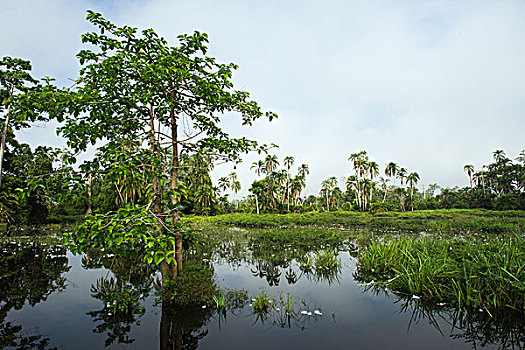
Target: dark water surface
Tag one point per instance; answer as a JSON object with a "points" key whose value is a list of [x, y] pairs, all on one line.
{"points": [[47, 301]]}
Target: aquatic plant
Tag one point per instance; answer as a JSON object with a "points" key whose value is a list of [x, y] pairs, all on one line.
{"points": [[483, 273], [220, 301], [326, 259], [261, 302]]}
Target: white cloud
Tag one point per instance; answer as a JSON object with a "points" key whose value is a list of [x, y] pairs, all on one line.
{"points": [[431, 85]]}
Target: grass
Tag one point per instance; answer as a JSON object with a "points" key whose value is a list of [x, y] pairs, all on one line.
{"points": [[262, 302], [486, 273], [220, 301], [429, 220], [299, 238]]}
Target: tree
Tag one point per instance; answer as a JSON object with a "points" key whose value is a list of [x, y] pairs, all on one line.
{"points": [[271, 163], [391, 170], [288, 162], [469, 169], [136, 86], [412, 180], [236, 187], [327, 186], [14, 79], [260, 168], [303, 170]]}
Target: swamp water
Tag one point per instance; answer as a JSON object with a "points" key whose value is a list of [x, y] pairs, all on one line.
{"points": [[50, 298]]}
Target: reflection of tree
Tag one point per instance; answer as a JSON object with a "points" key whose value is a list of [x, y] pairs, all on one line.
{"points": [[121, 295], [184, 316], [269, 271], [12, 336], [29, 272], [121, 309], [506, 330], [183, 328]]}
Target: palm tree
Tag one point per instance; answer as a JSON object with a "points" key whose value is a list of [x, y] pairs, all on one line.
{"points": [[224, 184], [402, 174], [260, 168], [412, 180], [391, 170], [384, 187], [469, 169], [327, 187], [271, 163], [521, 157], [236, 186], [288, 162], [498, 155], [303, 170], [232, 177]]}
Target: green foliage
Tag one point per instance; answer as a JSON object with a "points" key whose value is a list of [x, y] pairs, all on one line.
{"points": [[261, 302], [220, 300], [127, 228], [194, 286], [118, 297], [475, 273]]}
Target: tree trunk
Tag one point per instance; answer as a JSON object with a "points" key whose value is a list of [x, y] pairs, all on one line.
{"points": [[174, 171], [89, 209], [4, 133], [257, 204]]}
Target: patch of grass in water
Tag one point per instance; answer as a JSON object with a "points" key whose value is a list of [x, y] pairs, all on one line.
{"points": [[484, 273]]}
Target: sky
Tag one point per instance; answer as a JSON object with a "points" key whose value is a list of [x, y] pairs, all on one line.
{"points": [[430, 85]]}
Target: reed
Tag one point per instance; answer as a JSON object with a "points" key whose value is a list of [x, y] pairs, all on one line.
{"points": [[487, 273]]}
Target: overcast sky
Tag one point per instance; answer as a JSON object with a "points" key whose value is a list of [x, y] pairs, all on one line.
{"points": [[431, 85]]}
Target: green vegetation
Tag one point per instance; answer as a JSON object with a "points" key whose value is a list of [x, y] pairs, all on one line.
{"points": [[428, 220], [261, 302], [194, 286], [476, 272]]}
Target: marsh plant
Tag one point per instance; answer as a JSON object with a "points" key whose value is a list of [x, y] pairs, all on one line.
{"points": [[284, 311], [468, 273], [261, 302], [220, 301]]}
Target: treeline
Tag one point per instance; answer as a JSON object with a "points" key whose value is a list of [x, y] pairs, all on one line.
{"points": [[499, 185], [43, 186]]}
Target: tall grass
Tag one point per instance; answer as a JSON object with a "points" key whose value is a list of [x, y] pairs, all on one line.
{"points": [[484, 273]]}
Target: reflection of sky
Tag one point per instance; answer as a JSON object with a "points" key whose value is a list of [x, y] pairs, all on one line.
{"points": [[362, 320]]}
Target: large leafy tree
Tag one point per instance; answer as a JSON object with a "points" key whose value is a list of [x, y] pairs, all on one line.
{"points": [[136, 87]]}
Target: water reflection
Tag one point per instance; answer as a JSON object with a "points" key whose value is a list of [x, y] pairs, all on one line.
{"points": [[505, 330], [29, 273], [127, 307]]}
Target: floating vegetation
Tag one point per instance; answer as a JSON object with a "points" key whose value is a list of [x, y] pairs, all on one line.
{"points": [[485, 274]]}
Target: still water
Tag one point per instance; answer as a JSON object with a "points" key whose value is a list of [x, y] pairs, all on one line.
{"points": [[50, 298]]}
